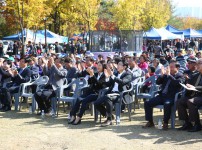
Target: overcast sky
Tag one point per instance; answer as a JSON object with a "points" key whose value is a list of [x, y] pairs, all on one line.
{"points": [[189, 3], [188, 8]]}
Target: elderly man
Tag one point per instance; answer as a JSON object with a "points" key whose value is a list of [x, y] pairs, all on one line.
{"points": [[169, 81], [57, 75], [192, 101]]}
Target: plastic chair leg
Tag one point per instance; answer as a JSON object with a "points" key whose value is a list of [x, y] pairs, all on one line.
{"points": [[16, 97], [118, 113], [129, 111], [92, 110], [33, 105]]}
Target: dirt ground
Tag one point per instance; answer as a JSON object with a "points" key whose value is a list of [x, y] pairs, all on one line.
{"points": [[21, 130]]}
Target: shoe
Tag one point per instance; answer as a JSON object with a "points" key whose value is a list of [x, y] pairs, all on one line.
{"points": [[165, 126], [39, 113], [148, 125], [195, 128], [71, 121], [106, 123], [77, 121], [186, 126], [6, 108]]}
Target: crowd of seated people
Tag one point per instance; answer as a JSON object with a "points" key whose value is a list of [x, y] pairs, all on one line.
{"points": [[112, 73]]}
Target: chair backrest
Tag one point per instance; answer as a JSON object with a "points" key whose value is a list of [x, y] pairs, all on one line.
{"points": [[152, 80], [41, 80], [78, 85]]}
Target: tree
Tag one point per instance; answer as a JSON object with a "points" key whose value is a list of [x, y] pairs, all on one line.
{"points": [[126, 13], [155, 14]]}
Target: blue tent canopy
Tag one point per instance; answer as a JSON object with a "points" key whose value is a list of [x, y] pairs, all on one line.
{"points": [[172, 29], [191, 33], [38, 36], [160, 34]]}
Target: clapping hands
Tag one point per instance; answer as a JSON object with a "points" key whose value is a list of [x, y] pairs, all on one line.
{"points": [[90, 71], [108, 72]]}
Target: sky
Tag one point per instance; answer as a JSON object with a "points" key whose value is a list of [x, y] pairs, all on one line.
{"points": [[185, 3], [188, 8]]}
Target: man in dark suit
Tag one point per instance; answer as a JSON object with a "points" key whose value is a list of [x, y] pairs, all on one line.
{"points": [[71, 69], [170, 81], [96, 82], [15, 48], [58, 48], [115, 83], [191, 101], [57, 74], [23, 75], [82, 69], [34, 69]]}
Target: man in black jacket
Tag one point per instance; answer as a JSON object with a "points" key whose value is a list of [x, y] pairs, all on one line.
{"points": [[192, 101], [22, 75], [115, 83], [170, 81]]}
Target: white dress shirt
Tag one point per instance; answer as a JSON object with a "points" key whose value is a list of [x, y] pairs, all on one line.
{"points": [[115, 88]]}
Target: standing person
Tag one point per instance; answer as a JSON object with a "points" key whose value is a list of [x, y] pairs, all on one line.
{"points": [[1, 50], [192, 101], [178, 45], [157, 50], [57, 74], [58, 48], [170, 80], [30, 48], [15, 48]]}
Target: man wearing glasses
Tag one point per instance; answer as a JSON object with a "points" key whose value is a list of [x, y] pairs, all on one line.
{"points": [[192, 101]]}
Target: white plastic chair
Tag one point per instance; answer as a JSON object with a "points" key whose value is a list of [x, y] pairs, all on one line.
{"points": [[41, 81]]}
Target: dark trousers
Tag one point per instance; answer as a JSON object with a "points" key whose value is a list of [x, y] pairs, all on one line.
{"points": [[105, 105], [6, 95], [84, 103], [192, 104], [43, 98], [158, 100]]}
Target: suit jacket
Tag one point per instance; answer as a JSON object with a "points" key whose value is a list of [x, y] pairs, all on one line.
{"points": [[56, 76], [22, 77], [71, 74], [84, 73], [125, 80], [193, 81], [95, 84], [5, 76], [174, 85]]}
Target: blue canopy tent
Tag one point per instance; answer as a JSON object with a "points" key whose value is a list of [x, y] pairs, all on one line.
{"points": [[160, 34], [191, 33], [172, 29], [200, 31], [38, 36], [17, 36], [175, 31]]}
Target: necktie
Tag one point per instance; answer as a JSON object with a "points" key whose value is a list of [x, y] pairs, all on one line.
{"points": [[21, 70], [166, 87]]}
